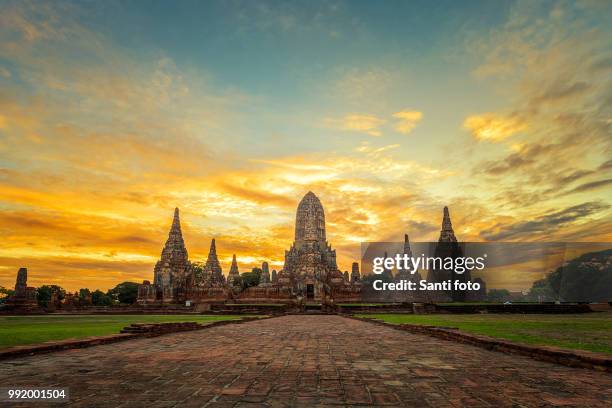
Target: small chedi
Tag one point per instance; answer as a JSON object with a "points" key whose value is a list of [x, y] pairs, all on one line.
{"points": [[24, 298], [233, 277], [309, 273], [448, 246]]}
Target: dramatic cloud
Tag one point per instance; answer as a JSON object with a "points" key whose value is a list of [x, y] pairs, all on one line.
{"points": [[553, 130], [544, 224], [526, 155], [591, 186]]}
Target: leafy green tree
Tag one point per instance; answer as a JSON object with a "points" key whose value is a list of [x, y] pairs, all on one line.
{"points": [[43, 294], [83, 293], [99, 298], [587, 278], [5, 293], [198, 268], [498, 295], [541, 292], [125, 292], [251, 278]]}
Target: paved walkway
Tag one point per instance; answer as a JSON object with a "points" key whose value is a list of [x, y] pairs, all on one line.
{"points": [[304, 361]]}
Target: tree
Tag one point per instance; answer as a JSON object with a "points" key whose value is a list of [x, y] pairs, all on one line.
{"points": [[541, 292], [99, 298], [198, 268], [125, 292], [83, 293], [43, 294], [498, 295], [251, 278], [586, 278], [5, 293]]}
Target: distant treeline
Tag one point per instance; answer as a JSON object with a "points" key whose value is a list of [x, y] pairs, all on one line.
{"points": [[587, 278], [123, 293]]}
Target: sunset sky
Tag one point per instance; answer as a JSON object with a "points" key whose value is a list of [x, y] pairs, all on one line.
{"points": [[113, 113]]}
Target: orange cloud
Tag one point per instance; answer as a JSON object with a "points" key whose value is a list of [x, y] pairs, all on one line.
{"points": [[368, 124], [492, 127], [408, 119]]}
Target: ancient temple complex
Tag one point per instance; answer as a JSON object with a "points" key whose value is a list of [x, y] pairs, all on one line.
{"points": [[309, 274], [310, 271]]}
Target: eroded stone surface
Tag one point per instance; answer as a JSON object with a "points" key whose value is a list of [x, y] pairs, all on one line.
{"points": [[304, 361]]}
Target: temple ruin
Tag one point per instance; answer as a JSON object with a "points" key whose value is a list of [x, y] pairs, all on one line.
{"points": [[310, 271], [23, 299], [309, 274]]}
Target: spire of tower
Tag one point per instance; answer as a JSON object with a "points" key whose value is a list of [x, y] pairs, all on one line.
{"points": [[447, 234], [407, 250], [446, 221], [174, 254], [234, 267], [213, 249], [175, 236], [233, 277], [310, 219], [175, 229], [212, 268]]}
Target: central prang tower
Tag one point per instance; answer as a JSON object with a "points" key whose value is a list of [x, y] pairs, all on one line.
{"points": [[310, 264], [310, 219]]}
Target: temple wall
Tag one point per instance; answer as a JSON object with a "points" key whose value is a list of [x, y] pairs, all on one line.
{"points": [[259, 293]]}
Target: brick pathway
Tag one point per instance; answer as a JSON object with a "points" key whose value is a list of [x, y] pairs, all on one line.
{"points": [[304, 361]]}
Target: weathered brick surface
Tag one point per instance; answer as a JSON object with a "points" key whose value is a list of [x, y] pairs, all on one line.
{"points": [[571, 358], [304, 361]]}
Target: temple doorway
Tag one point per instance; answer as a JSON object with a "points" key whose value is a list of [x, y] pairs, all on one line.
{"points": [[310, 291]]}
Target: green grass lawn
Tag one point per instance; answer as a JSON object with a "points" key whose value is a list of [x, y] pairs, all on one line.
{"points": [[19, 330], [589, 331]]}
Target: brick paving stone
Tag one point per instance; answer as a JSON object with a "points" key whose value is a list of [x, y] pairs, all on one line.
{"points": [[304, 361]]}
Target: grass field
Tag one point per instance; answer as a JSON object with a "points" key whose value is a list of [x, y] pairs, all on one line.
{"points": [[19, 330], [590, 331]]}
